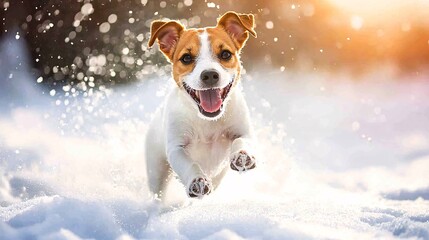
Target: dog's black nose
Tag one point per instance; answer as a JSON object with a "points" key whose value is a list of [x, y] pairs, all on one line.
{"points": [[209, 77]]}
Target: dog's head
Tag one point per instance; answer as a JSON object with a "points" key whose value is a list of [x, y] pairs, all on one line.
{"points": [[206, 61]]}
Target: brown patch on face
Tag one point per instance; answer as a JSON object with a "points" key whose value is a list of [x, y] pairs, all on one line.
{"points": [[220, 41], [189, 43]]}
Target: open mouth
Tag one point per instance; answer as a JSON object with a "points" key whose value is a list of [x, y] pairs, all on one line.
{"points": [[210, 101]]}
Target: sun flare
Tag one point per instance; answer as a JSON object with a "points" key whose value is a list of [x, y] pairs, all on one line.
{"points": [[382, 9]]}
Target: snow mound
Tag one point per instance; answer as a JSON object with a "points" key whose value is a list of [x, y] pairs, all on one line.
{"points": [[338, 160]]}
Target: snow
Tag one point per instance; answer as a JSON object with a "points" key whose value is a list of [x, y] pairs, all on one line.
{"points": [[338, 159]]}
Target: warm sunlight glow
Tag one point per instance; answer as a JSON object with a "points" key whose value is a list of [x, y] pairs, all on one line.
{"points": [[356, 22], [369, 7], [381, 9]]}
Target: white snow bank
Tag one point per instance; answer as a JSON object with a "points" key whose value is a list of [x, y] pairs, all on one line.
{"points": [[54, 217], [339, 160]]}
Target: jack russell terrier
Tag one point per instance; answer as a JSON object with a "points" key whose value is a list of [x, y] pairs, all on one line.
{"points": [[203, 127]]}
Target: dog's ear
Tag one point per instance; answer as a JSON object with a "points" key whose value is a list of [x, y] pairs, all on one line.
{"points": [[167, 34], [238, 26]]}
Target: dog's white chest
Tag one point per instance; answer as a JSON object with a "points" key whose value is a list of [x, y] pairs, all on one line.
{"points": [[210, 149]]}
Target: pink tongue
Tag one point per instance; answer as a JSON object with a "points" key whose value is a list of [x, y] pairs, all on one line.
{"points": [[211, 100]]}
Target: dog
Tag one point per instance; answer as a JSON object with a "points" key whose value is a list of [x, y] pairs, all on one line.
{"points": [[203, 128]]}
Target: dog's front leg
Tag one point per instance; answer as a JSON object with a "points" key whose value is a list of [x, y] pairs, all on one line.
{"points": [[242, 158], [189, 172]]}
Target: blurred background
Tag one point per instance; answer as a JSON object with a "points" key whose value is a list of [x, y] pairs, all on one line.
{"points": [[353, 73], [90, 43]]}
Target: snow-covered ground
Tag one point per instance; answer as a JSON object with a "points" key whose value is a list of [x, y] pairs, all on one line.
{"points": [[340, 159]]}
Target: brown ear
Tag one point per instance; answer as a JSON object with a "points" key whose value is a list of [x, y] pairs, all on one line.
{"points": [[238, 26], [167, 34]]}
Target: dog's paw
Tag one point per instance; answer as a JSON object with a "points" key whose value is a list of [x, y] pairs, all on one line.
{"points": [[242, 161], [199, 187]]}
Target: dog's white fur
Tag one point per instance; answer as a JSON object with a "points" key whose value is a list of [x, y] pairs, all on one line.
{"points": [[189, 144]]}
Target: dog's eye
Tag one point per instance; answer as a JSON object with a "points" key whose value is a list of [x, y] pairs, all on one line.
{"points": [[225, 55], [186, 59]]}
